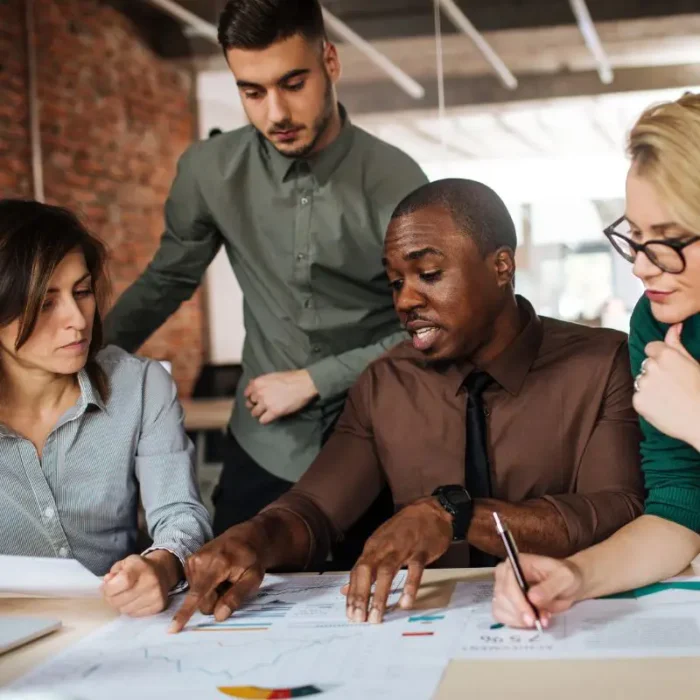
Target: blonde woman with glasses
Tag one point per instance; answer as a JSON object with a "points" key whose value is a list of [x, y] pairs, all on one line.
{"points": [[659, 235]]}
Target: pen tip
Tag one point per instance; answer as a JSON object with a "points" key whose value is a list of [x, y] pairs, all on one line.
{"points": [[497, 520]]}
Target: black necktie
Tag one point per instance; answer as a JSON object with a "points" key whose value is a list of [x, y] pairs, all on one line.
{"points": [[477, 473]]}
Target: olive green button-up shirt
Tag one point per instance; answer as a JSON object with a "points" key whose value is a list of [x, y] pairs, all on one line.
{"points": [[304, 237]]}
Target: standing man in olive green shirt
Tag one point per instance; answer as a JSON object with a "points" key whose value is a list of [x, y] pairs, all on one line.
{"points": [[301, 200]]}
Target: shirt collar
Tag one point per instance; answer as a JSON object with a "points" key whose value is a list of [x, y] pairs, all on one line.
{"points": [[89, 396], [511, 367], [322, 164]]}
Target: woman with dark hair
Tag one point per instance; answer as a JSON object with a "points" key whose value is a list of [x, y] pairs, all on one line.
{"points": [[85, 431]]}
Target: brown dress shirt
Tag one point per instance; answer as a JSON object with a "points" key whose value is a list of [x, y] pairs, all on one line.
{"points": [[560, 422]]}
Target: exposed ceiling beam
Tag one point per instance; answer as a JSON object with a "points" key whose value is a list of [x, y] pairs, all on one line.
{"points": [[373, 97], [395, 19], [460, 20], [629, 44], [207, 30], [400, 77], [592, 40]]}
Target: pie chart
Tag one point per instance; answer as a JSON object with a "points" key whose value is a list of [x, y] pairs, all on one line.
{"points": [[250, 691]]}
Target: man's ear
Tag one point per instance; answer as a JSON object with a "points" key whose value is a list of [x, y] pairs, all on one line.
{"points": [[504, 262], [331, 61]]}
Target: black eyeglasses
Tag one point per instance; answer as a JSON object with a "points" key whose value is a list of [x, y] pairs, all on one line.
{"points": [[666, 255]]}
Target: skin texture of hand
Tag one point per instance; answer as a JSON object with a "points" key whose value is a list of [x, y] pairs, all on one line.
{"points": [[415, 537], [669, 389], [230, 568], [223, 574], [555, 585], [272, 396], [138, 586]]}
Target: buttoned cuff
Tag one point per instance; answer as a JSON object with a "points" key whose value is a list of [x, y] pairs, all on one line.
{"points": [[327, 375], [182, 585]]}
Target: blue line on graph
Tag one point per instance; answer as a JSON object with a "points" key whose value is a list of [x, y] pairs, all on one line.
{"points": [[426, 618]]}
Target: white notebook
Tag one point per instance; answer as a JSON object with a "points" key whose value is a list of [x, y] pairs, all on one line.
{"points": [[16, 631]]}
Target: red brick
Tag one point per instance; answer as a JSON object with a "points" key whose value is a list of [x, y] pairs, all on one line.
{"points": [[114, 120]]}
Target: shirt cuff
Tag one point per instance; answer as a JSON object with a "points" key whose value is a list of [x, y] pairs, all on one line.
{"points": [[677, 504], [181, 585], [322, 533], [325, 374]]}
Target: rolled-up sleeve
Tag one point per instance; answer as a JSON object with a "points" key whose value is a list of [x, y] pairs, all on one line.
{"points": [[177, 520], [609, 488], [343, 481]]}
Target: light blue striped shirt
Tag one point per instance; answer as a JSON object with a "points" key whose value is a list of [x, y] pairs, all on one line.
{"points": [[80, 500]]}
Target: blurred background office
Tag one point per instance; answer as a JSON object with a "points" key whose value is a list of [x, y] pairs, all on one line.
{"points": [[98, 98]]}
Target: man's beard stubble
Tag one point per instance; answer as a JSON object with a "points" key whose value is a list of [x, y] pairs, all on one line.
{"points": [[319, 127]]}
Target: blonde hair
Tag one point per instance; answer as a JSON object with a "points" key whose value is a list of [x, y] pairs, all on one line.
{"points": [[664, 146]]}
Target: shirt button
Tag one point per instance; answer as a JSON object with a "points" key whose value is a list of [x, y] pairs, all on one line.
{"points": [[49, 513], [300, 256], [308, 304], [304, 200], [316, 349], [63, 552]]}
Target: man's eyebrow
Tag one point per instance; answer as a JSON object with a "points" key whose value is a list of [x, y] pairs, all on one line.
{"points": [[422, 252], [250, 86], [297, 72], [247, 85], [417, 254]]}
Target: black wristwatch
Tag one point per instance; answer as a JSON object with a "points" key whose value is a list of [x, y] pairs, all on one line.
{"points": [[458, 503]]}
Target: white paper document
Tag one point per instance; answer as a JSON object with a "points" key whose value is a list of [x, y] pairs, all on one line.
{"points": [[294, 634], [43, 577], [662, 623]]}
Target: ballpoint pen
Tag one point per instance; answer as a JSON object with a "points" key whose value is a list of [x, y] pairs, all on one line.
{"points": [[512, 551]]}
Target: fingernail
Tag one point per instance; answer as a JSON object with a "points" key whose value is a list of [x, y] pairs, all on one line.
{"points": [[173, 628], [405, 601], [223, 613], [374, 617], [529, 620], [358, 615]]}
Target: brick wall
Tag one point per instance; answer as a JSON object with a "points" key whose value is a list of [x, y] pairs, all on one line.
{"points": [[15, 163], [114, 120]]}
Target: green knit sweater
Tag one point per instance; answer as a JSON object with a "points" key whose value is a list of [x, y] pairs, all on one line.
{"points": [[671, 467]]}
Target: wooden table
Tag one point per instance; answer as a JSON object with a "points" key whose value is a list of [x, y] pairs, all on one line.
{"points": [[207, 414], [202, 415], [637, 679]]}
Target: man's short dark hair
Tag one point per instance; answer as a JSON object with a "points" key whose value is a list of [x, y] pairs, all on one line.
{"points": [[475, 209], [256, 24]]}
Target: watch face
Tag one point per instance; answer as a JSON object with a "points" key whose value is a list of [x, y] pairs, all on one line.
{"points": [[459, 497]]}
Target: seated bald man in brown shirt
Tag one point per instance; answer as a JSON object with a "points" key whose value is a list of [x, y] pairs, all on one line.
{"points": [[487, 408]]}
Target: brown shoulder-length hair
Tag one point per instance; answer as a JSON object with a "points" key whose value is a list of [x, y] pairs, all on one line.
{"points": [[34, 239]]}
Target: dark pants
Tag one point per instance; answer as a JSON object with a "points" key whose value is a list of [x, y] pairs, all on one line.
{"points": [[245, 488]]}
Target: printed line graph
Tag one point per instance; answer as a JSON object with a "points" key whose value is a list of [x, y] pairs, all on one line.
{"points": [[304, 640], [287, 661]]}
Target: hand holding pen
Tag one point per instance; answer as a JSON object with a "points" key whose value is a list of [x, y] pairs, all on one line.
{"points": [[514, 558]]}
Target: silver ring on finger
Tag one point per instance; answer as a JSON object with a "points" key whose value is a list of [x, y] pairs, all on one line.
{"points": [[637, 387]]}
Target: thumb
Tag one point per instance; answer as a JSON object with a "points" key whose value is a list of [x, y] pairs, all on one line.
{"points": [[673, 340]]}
